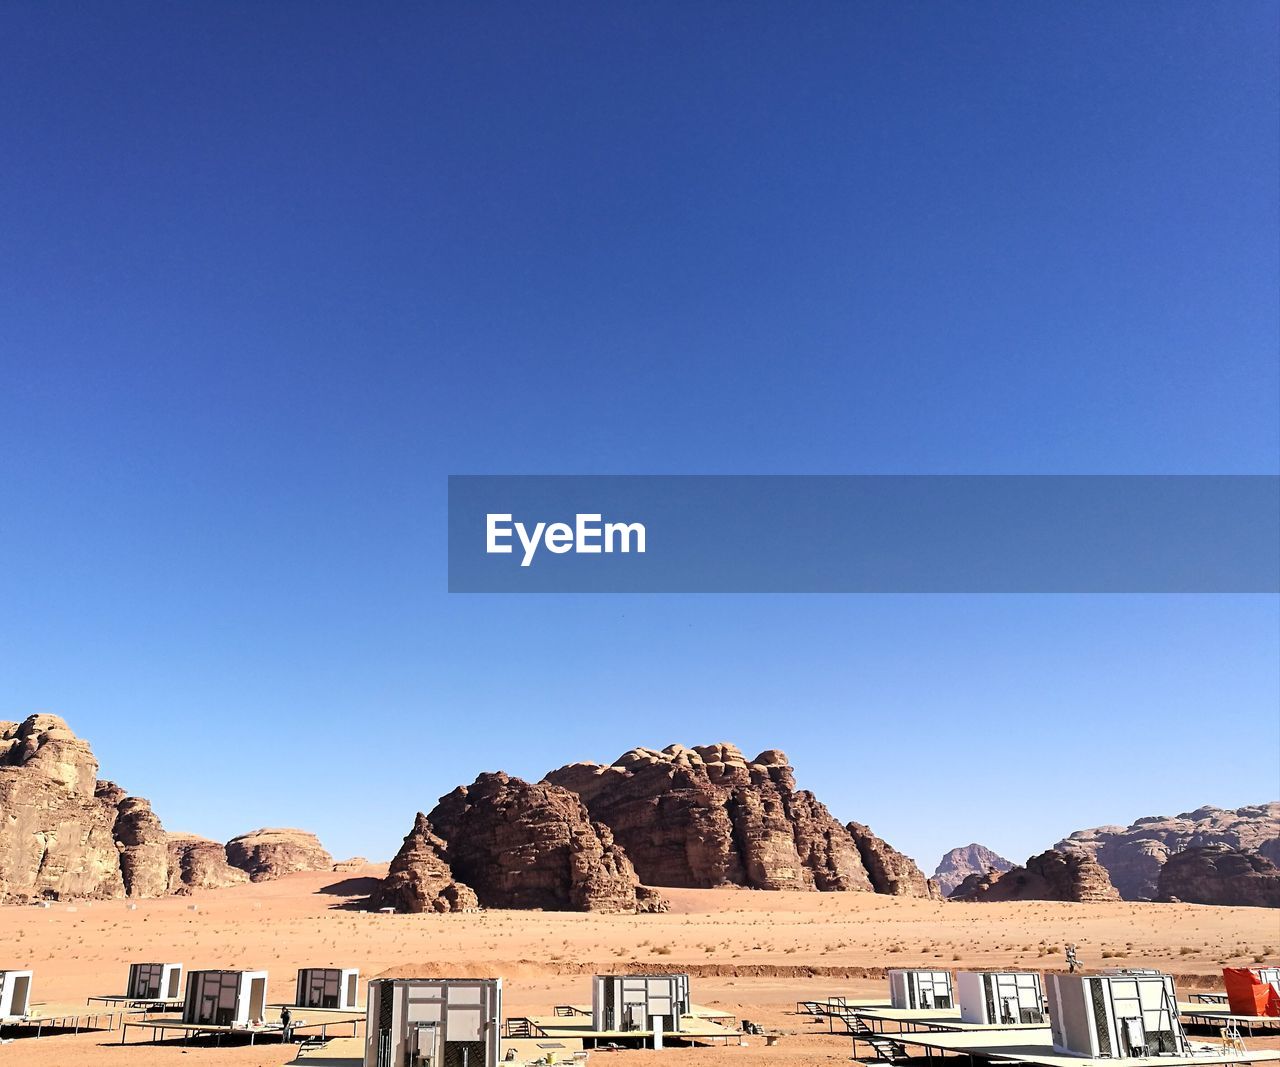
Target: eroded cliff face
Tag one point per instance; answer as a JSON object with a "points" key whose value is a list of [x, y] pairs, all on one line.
{"points": [[420, 879], [523, 845], [1072, 876], [144, 849], [56, 834], [199, 863], [959, 863], [66, 834], [705, 817], [1219, 874], [890, 871], [1134, 855], [271, 852]]}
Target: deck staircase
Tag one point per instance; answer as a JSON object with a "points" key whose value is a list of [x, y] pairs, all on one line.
{"points": [[887, 1050], [310, 1045]]}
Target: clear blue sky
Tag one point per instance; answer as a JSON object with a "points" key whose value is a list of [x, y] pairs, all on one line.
{"points": [[270, 272]]}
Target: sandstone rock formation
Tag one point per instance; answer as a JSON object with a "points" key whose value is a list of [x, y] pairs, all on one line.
{"points": [[419, 878], [144, 848], [66, 834], [1054, 875], [959, 863], [56, 831], [706, 817], [651, 902], [271, 852], [520, 845], [198, 863], [890, 871], [1219, 874], [1134, 855], [355, 863]]}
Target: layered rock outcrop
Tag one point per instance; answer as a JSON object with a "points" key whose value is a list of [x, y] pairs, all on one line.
{"points": [[56, 833], [1054, 875], [272, 852], [65, 834], [890, 871], [960, 863], [419, 878], [1219, 874], [523, 845], [144, 848], [198, 863], [704, 817], [1134, 855]]}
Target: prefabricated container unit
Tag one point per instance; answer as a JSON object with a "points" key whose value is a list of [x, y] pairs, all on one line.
{"points": [[1000, 998], [639, 1002], [15, 994], [1267, 976], [154, 981], [434, 1022], [920, 989], [225, 998], [1115, 1016], [328, 987]]}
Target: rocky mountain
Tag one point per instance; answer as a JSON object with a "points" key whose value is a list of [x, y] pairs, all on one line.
{"points": [[959, 863], [523, 845], [889, 870], [1219, 874], [706, 816], [57, 834], [144, 848], [198, 863], [1066, 875], [1134, 855], [420, 879], [66, 834], [271, 852]]}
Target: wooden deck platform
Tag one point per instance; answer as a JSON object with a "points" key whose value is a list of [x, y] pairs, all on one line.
{"points": [[698, 1011], [349, 1052], [930, 1019], [160, 1026], [139, 1003], [61, 1018], [1036, 1047], [694, 1029], [1204, 1015]]}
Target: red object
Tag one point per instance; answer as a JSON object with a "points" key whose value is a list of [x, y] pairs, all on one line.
{"points": [[1247, 994]]}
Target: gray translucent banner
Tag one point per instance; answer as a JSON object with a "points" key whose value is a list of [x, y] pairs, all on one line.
{"points": [[864, 534]]}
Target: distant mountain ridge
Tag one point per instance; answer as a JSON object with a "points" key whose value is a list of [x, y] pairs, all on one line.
{"points": [[960, 863], [1135, 855]]}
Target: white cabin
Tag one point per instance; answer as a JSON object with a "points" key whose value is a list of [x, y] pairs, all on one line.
{"points": [[225, 998], [920, 989], [1115, 1016], [1000, 998], [434, 1022], [328, 987], [15, 994]]}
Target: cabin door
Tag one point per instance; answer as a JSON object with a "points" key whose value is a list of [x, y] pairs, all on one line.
{"points": [[257, 998], [21, 991]]}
